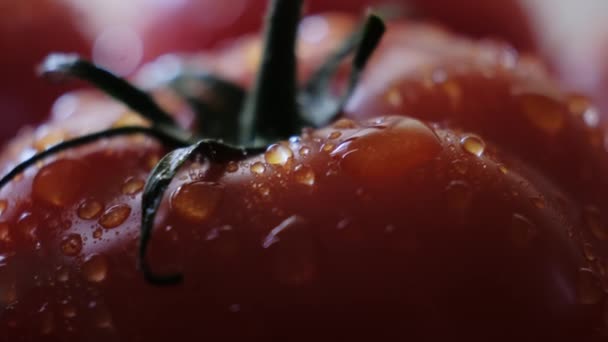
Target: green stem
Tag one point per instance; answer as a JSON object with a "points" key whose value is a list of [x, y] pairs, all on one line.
{"points": [[271, 111]]}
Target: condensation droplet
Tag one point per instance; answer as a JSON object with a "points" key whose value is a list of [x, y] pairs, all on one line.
{"points": [[538, 202], [328, 147], [197, 201], [258, 168], [459, 196], [60, 182], [4, 232], [589, 287], [588, 251], [89, 209], [232, 167], [473, 145], [344, 124], [523, 231], [543, 112], [97, 233], [278, 154], [3, 206], [394, 98], [115, 216], [304, 151], [132, 186], [95, 268], [304, 175], [595, 223], [71, 245], [334, 135]]}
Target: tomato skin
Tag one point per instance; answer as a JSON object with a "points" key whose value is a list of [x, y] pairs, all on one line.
{"points": [[28, 32], [394, 228]]}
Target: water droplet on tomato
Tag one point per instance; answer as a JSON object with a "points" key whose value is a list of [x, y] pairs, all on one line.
{"points": [[543, 112], [393, 97], [278, 154], [60, 182], [538, 202], [95, 268], [344, 124], [459, 196], [71, 245], [3, 206], [304, 175], [28, 226], [589, 287], [49, 139], [523, 231], [197, 201], [89, 209], [69, 311], [595, 223], [473, 145], [304, 151], [388, 154], [328, 147], [334, 135], [232, 167], [63, 275], [115, 216], [258, 168], [588, 251], [132, 186], [97, 233]]}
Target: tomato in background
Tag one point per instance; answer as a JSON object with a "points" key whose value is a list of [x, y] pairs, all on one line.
{"points": [[29, 30]]}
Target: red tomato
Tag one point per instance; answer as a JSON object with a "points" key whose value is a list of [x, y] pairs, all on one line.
{"points": [[443, 224], [29, 30]]}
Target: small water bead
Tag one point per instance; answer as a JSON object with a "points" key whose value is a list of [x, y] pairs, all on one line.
{"points": [[473, 145], [4, 232], [394, 98], [543, 112], [304, 151], [538, 202], [454, 92], [3, 206], [62, 274], [523, 231], [328, 147], [264, 190], [71, 245], [232, 167], [95, 268], [578, 104], [595, 223], [382, 155], [97, 233], [133, 186], [334, 135], [69, 311], [28, 226], [459, 196], [589, 287], [278, 154], [258, 168], [344, 124], [49, 139], [197, 201], [304, 175], [60, 182], [588, 251], [89, 209], [115, 216]]}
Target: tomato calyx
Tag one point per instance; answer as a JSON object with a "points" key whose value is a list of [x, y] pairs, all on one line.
{"points": [[274, 110]]}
